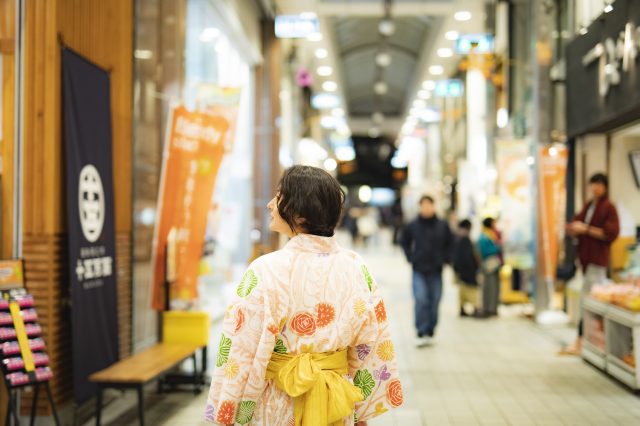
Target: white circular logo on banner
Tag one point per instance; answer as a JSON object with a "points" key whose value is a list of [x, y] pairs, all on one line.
{"points": [[91, 203]]}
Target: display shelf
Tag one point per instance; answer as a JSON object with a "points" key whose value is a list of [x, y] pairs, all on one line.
{"points": [[594, 355], [621, 372], [596, 306], [621, 330]]}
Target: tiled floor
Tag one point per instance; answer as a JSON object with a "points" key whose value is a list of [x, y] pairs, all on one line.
{"points": [[502, 371]]}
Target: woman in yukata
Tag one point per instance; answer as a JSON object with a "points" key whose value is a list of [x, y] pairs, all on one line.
{"points": [[306, 341]]}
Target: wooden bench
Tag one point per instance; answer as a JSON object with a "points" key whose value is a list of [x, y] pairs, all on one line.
{"points": [[138, 370]]}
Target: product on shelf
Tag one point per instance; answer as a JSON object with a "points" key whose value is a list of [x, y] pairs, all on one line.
{"points": [[17, 363], [626, 296]]}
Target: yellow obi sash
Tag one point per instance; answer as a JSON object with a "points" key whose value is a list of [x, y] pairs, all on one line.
{"points": [[321, 395]]}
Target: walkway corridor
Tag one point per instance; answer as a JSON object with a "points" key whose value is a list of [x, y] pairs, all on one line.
{"points": [[481, 372]]}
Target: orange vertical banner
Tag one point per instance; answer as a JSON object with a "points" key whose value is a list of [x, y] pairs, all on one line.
{"points": [[552, 204], [192, 156]]}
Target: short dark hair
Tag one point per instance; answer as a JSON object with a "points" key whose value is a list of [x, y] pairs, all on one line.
{"points": [[428, 198], [600, 178], [488, 222], [310, 199], [465, 224]]}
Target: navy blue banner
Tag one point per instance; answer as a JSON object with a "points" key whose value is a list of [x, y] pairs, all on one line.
{"points": [[90, 212]]}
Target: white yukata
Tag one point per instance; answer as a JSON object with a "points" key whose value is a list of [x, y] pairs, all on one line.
{"points": [[310, 297]]}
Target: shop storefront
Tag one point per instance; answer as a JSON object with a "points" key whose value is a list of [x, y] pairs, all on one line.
{"points": [[603, 112], [207, 52]]}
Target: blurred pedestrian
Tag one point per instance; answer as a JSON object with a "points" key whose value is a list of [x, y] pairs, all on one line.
{"points": [[465, 265], [490, 248], [596, 227], [427, 243]]}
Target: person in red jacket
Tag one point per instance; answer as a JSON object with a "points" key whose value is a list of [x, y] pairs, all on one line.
{"points": [[595, 228]]}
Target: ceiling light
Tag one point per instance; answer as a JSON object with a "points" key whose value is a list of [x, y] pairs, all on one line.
{"points": [[380, 88], [386, 27], [377, 117], [419, 103], [424, 94], [337, 112], [328, 122], [315, 37], [345, 153], [365, 193], [445, 52], [325, 71], [321, 53], [374, 132], [436, 70], [383, 59], [329, 86], [608, 8], [583, 31], [330, 164], [451, 35], [325, 101], [429, 85], [209, 34], [531, 161], [462, 16]]}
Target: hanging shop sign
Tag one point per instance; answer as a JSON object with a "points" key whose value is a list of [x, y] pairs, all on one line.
{"points": [[90, 215], [297, 26], [602, 76], [515, 182], [474, 43], [193, 152], [552, 171]]}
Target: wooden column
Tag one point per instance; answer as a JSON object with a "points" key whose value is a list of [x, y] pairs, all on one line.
{"points": [[101, 31], [267, 136]]}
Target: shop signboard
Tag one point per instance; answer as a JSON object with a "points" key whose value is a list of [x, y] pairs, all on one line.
{"points": [[296, 26], [602, 72], [515, 181], [193, 152], [90, 215], [552, 171]]}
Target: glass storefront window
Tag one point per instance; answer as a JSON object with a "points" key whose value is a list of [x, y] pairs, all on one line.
{"points": [[184, 56]]}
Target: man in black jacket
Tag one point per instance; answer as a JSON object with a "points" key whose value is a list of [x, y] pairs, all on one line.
{"points": [[427, 242]]}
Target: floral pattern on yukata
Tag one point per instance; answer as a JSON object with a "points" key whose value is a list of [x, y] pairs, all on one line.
{"points": [[311, 296]]}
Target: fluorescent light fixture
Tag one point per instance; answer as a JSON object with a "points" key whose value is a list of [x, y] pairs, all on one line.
{"points": [[325, 101], [330, 164], [429, 85], [143, 54], [424, 94], [328, 122], [462, 16], [419, 103], [430, 116], [321, 53], [337, 112], [329, 86], [209, 34], [380, 88], [325, 71], [315, 37], [436, 70], [308, 15], [451, 35], [445, 52]]}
